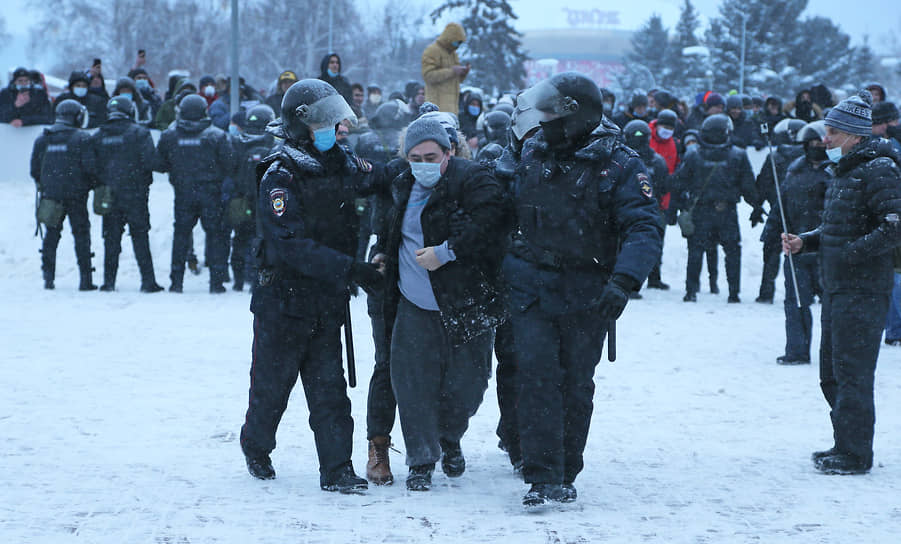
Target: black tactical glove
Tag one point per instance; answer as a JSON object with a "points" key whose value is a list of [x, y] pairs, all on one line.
{"points": [[757, 216], [367, 276], [614, 297], [670, 214]]}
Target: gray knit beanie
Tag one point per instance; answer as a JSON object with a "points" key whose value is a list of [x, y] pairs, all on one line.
{"points": [[853, 115], [423, 130]]}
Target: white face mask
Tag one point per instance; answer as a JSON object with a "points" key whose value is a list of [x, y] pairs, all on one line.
{"points": [[427, 174], [209, 90], [80, 92], [664, 133]]}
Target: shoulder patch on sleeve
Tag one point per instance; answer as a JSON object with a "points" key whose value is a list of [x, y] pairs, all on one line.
{"points": [[645, 185], [363, 165], [278, 200]]}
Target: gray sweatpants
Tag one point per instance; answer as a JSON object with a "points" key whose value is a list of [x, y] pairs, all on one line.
{"points": [[438, 386]]}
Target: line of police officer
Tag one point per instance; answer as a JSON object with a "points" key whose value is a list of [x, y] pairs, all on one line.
{"points": [[213, 176]]}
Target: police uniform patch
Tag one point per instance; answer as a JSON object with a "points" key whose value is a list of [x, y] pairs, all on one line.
{"points": [[645, 185], [364, 165], [279, 199]]}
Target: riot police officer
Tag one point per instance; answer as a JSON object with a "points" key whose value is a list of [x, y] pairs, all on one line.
{"points": [[709, 184], [63, 168], [580, 192], [308, 229], [787, 150], [252, 145], [637, 135], [198, 157], [124, 154]]}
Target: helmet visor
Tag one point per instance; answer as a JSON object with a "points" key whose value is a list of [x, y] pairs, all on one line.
{"points": [[326, 112], [540, 104]]}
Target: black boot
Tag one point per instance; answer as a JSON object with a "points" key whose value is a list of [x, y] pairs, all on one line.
{"points": [[347, 482], [542, 494], [152, 288], [260, 467], [217, 288], [87, 283], [690, 297], [733, 299], [452, 461], [842, 463], [110, 269], [817, 455], [420, 477]]}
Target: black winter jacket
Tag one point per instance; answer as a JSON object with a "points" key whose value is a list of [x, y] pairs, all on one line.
{"points": [[803, 188], [194, 152], [124, 155], [339, 82], [856, 237], [62, 163], [783, 157], [468, 290], [714, 174], [36, 112], [92, 101]]}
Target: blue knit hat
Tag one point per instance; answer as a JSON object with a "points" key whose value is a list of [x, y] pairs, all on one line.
{"points": [[853, 115]]}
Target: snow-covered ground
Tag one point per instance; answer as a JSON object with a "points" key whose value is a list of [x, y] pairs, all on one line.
{"points": [[120, 411]]}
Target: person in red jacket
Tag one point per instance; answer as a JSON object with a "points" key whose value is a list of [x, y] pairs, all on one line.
{"points": [[664, 144]]}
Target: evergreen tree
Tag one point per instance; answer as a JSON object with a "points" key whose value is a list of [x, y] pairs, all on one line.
{"points": [[649, 49], [820, 53], [687, 72], [493, 46], [863, 65], [771, 26]]}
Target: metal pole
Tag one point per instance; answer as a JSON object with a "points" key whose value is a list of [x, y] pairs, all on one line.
{"points": [[330, 10], [741, 73], [791, 263], [234, 88]]}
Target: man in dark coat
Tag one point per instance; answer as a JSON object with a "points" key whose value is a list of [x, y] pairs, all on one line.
{"points": [[742, 127], [198, 157], [861, 226], [63, 167], [330, 72], [581, 193], [124, 154], [22, 104], [443, 242], [285, 80], [93, 102], [307, 234], [803, 188], [709, 184]]}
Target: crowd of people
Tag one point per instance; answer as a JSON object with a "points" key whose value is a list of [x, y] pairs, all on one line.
{"points": [[519, 224]]}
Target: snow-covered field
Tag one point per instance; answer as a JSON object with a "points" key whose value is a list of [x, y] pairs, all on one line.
{"points": [[120, 412]]}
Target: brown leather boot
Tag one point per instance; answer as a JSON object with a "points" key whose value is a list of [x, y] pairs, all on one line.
{"points": [[378, 469]]}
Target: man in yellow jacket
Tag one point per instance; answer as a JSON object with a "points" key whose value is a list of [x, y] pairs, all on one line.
{"points": [[441, 69]]}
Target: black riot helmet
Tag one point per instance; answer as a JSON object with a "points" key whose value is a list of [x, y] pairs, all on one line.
{"points": [[667, 118], [568, 107], [311, 104], [490, 152], [716, 131], [192, 108], [120, 107], [390, 115], [497, 127], [258, 117], [505, 107], [786, 130], [637, 134], [71, 113]]}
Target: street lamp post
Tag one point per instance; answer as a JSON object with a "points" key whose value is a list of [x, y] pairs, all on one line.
{"points": [[741, 73], [234, 87]]}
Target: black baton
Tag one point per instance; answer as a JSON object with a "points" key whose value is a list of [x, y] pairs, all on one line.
{"points": [[611, 341], [349, 346]]}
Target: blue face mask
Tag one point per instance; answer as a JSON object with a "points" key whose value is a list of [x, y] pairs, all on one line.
{"points": [[126, 95], [324, 138], [427, 174], [835, 153], [80, 91], [456, 44], [234, 130], [332, 74], [474, 110], [142, 84]]}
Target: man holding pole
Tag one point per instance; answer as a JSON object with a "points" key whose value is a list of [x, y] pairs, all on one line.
{"points": [[859, 229]]}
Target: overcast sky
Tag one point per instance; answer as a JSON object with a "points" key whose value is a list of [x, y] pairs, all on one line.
{"points": [[541, 14]]}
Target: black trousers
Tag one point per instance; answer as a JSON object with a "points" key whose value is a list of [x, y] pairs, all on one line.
{"points": [[852, 326], [283, 347], [772, 254], [201, 202], [242, 264], [712, 228], [508, 425], [555, 356], [137, 216], [381, 406], [77, 212]]}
